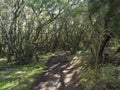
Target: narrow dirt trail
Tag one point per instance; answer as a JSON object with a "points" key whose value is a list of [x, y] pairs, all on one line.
{"points": [[60, 74]]}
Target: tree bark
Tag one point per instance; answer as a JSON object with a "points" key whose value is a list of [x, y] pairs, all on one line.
{"points": [[101, 50]]}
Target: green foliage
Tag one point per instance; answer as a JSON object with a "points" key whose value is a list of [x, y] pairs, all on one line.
{"points": [[32, 28], [35, 4], [76, 12], [110, 10], [114, 26], [95, 80]]}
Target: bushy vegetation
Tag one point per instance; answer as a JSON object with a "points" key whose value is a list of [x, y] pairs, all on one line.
{"points": [[105, 78]]}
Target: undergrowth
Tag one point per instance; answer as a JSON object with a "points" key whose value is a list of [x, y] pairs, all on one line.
{"points": [[105, 78]]}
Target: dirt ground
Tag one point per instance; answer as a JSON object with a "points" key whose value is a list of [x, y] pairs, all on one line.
{"points": [[60, 74]]}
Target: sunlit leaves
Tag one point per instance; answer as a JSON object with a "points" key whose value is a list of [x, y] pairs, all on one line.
{"points": [[75, 12], [34, 4]]}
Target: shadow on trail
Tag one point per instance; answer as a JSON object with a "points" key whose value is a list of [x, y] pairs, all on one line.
{"points": [[59, 75]]}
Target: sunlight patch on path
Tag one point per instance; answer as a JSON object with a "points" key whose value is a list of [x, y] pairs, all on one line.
{"points": [[59, 76]]}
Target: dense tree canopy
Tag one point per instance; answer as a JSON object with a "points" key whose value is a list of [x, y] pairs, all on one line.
{"points": [[31, 28]]}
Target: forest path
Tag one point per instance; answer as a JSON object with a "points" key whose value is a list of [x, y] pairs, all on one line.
{"points": [[60, 74]]}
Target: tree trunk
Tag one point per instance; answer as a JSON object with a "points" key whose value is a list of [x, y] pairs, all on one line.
{"points": [[102, 46]]}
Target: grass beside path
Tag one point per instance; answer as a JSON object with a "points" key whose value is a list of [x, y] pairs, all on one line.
{"points": [[18, 77]]}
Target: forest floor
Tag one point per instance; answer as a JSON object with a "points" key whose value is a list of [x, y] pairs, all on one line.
{"points": [[58, 71], [60, 74]]}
